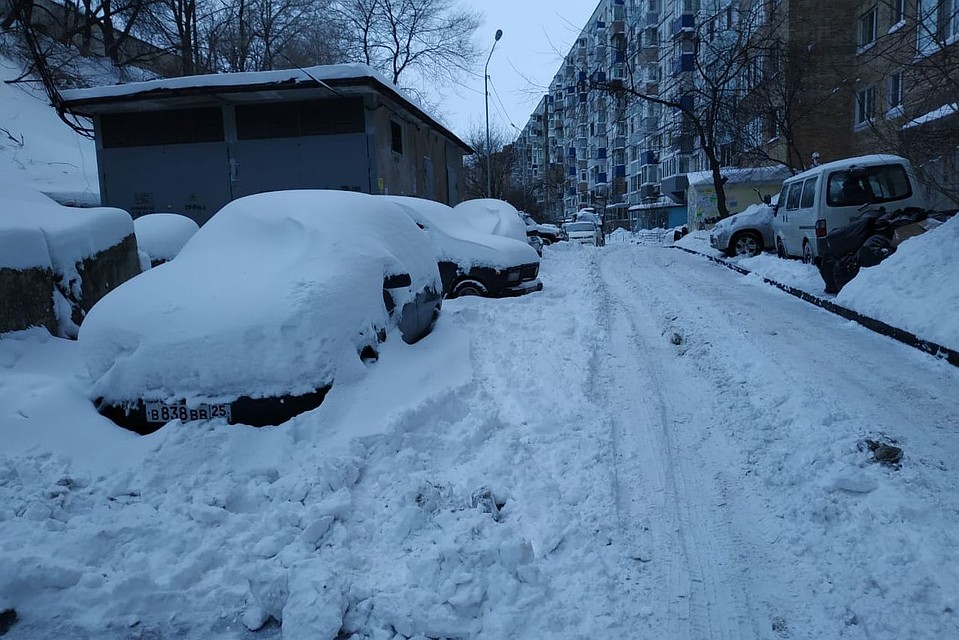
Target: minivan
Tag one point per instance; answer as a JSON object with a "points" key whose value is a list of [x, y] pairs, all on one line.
{"points": [[830, 196]]}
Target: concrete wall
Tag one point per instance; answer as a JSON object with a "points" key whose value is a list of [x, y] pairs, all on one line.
{"points": [[26, 299]]}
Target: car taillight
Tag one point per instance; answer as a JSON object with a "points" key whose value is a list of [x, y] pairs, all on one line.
{"points": [[820, 228]]}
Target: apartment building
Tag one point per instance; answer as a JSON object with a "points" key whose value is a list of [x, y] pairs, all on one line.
{"points": [[654, 90]]}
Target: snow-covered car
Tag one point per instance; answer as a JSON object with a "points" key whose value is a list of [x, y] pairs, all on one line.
{"points": [[496, 217], [161, 235], [584, 232], [272, 300], [473, 262], [548, 233], [747, 233]]}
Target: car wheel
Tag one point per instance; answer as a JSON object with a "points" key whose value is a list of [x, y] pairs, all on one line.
{"points": [[781, 249], [747, 244], [807, 253], [468, 288]]}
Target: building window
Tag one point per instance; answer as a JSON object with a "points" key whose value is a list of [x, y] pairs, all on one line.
{"points": [[951, 21], [927, 26], [396, 133], [898, 11], [867, 28], [894, 95], [865, 106]]}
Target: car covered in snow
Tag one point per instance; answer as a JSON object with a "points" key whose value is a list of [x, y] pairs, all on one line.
{"points": [[277, 296], [747, 233], [471, 260], [496, 217], [161, 235], [584, 232], [547, 233]]}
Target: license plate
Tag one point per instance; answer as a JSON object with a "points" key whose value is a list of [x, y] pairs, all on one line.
{"points": [[165, 412]]}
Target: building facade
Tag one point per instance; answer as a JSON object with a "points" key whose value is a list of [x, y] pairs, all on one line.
{"points": [[190, 145], [654, 90]]}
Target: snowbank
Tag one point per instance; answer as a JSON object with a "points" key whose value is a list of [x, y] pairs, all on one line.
{"points": [[162, 235]]}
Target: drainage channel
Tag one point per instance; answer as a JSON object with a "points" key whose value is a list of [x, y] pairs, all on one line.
{"points": [[936, 350]]}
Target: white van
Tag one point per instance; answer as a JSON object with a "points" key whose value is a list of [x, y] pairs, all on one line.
{"points": [[814, 202]]}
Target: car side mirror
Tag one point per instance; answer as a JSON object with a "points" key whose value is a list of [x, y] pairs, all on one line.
{"points": [[397, 280]]}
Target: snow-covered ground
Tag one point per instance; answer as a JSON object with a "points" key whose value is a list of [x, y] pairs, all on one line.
{"points": [[652, 447]]}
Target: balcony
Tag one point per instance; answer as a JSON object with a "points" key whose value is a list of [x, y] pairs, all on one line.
{"points": [[684, 25], [652, 19], [649, 191], [618, 26], [683, 64], [619, 171], [648, 158], [682, 143]]}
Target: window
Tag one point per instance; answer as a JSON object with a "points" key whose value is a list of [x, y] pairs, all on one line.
{"points": [[927, 26], [793, 199], [898, 11], [294, 119], [148, 128], [894, 94], [396, 133], [882, 183], [808, 193], [867, 28], [951, 21], [865, 106]]}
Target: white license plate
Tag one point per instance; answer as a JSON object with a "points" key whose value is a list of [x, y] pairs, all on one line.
{"points": [[164, 412]]}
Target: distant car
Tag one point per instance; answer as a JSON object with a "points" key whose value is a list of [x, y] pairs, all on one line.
{"points": [[473, 262], [584, 232], [747, 233], [548, 233], [271, 301]]}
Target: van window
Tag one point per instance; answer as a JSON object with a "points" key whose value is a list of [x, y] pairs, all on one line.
{"points": [[868, 185], [792, 200], [808, 193]]}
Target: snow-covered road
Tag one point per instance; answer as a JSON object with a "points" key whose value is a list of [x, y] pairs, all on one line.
{"points": [[654, 447]]}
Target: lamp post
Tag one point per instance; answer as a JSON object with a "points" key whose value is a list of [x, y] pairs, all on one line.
{"points": [[489, 152]]}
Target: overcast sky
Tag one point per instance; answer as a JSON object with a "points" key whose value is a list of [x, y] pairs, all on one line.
{"points": [[536, 36]]}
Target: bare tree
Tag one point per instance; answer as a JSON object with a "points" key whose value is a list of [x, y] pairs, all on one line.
{"points": [[502, 161], [431, 38], [714, 90]]}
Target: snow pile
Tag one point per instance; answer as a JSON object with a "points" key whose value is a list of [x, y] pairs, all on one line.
{"points": [[162, 235], [275, 295], [35, 231], [916, 288], [36, 147]]}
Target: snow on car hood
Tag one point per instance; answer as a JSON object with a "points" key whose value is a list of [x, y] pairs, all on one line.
{"points": [[272, 296], [492, 216], [459, 241]]}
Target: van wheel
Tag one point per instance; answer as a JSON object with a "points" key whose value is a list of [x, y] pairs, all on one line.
{"points": [[746, 244], [781, 249], [806, 253]]}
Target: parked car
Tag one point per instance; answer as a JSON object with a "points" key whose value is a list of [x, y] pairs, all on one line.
{"points": [[584, 232], [472, 262], [161, 235], [548, 233], [496, 217], [273, 299], [830, 196], [747, 233]]}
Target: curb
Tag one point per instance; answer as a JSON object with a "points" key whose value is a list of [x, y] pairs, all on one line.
{"points": [[901, 335]]}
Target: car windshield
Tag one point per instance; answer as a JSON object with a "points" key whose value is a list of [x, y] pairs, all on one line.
{"points": [[580, 226]]}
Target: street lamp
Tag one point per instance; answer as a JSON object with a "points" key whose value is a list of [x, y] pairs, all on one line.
{"points": [[489, 152]]}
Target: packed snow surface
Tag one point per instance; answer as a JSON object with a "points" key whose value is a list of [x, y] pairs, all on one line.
{"points": [[652, 447]]}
